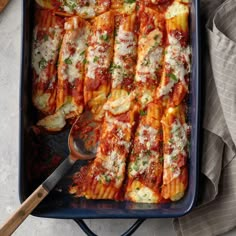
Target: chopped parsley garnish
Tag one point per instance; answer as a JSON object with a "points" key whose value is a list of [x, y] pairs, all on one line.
{"points": [[174, 158], [135, 167], [125, 75], [143, 113], [156, 44], [148, 152], [107, 178], [145, 163], [156, 37], [71, 5], [104, 37], [114, 66], [95, 59], [171, 141], [84, 61], [68, 61], [130, 1], [172, 76], [42, 63], [161, 159], [175, 129], [45, 37], [145, 62], [82, 53], [118, 177]]}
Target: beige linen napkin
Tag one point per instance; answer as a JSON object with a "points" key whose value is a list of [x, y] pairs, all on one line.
{"points": [[216, 213]]}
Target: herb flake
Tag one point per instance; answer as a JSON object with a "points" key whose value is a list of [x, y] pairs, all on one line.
{"points": [[68, 61], [104, 37], [82, 53], [143, 113], [156, 37], [42, 63], [172, 76], [95, 59], [85, 61], [107, 178]]}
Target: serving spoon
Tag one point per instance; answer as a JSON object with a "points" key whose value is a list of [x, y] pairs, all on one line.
{"points": [[79, 150]]}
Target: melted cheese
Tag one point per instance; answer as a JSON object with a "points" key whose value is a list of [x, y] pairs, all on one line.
{"points": [[177, 60], [114, 165], [143, 194], [45, 50], [146, 97], [119, 105], [128, 8], [111, 121], [146, 136], [125, 46], [179, 135], [98, 55], [41, 101], [147, 133], [78, 40], [57, 121], [165, 89], [113, 161], [176, 9], [53, 122], [142, 163], [177, 144], [125, 42], [87, 11], [150, 56]]}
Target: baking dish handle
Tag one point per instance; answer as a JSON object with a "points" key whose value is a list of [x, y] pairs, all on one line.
{"points": [[89, 232]]}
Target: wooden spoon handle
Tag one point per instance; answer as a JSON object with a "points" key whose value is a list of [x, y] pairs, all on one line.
{"points": [[23, 211], [3, 4]]}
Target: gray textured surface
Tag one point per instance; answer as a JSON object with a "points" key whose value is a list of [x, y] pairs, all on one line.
{"points": [[10, 37]]}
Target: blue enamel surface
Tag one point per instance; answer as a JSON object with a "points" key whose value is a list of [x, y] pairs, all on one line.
{"points": [[62, 205]]}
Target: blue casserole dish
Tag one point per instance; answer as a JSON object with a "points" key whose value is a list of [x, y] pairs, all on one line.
{"points": [[60, 204]]}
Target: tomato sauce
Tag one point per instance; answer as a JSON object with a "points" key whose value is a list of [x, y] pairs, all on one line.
{"points": [[182, 37], [102, 76]]}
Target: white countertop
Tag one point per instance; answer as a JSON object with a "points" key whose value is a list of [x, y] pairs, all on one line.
{"points": [[10, 58]]}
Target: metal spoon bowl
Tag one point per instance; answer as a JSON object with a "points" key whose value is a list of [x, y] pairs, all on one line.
{"points": [[83, 137]]}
